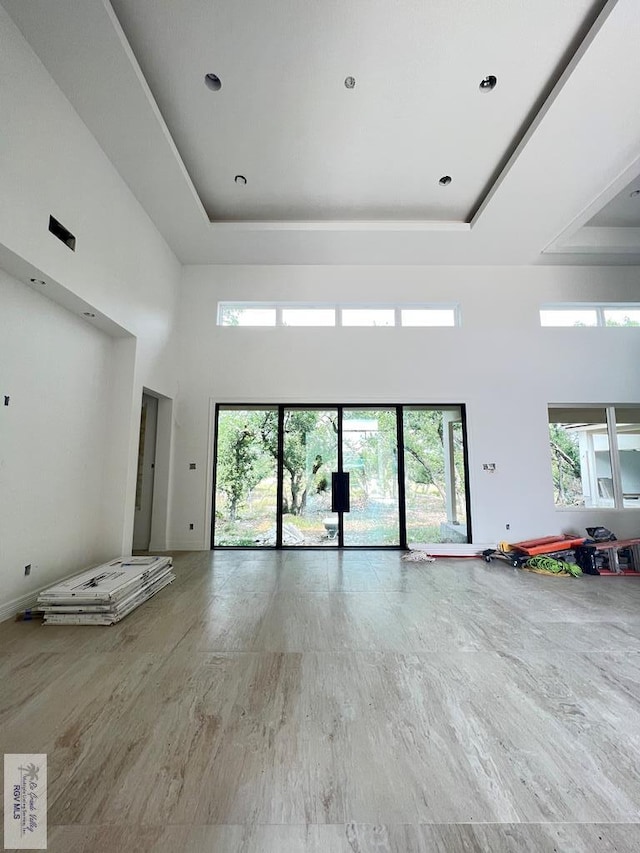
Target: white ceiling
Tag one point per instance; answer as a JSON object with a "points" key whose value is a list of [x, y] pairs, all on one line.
{"points": [[312, 149], [351, 176], [623, 211]]}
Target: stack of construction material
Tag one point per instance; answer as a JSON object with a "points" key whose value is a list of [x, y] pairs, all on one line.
{"points": [[557, 547], [105, 594]]}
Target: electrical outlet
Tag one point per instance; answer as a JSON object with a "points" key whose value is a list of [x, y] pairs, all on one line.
{"points": [[192, 466], [191, 527], [6, 400], [27, 570], [507, 527]]}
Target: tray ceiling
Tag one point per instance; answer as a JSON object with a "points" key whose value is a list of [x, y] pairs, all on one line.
{"points": [[623, 211], [312, 149], [350, 176]]}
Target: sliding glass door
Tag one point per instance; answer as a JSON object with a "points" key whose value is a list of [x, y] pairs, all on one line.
{"points": [[309, 456], [334, 476], [370, 456], [246, 477], [435, 474]]}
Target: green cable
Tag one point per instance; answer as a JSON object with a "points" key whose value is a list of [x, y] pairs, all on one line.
{"points": [[555, 567]]}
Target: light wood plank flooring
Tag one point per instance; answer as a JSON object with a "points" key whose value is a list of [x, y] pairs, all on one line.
{"points": [[327, 702]]}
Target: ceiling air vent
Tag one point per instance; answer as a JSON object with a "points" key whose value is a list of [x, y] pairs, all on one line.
{"points": [[58, 230]]}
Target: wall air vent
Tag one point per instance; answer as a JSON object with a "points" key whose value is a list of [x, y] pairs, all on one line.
{"points": [[58, 230]]}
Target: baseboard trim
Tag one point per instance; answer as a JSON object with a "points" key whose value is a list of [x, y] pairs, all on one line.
{"points": [[9, 609]]}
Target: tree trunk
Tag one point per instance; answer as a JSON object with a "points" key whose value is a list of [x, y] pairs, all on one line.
{"points": [[428, 471], [561, 495], [233, 509], [298, 494], [575, 468]]}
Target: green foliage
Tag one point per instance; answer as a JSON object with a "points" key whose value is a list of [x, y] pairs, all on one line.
{"points": [[565, 465], [627, 321], [424, 447], [231, 317], [237, 541], [424, 451], [309, 444], [424, 454], [373, 456], [241, 464]]}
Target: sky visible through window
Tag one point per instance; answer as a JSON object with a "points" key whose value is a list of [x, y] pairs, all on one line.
{"points": [[239, 316], [368, 317], [309, 315], [428, 317], [569, 317], [591, 315]]}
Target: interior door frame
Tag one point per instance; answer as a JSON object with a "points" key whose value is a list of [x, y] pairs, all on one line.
{"points": [[145, 476], [339, 407]]}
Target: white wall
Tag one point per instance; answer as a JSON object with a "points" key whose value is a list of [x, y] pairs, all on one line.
{"points": [[57, 370], [500, 363], [122, 268]]}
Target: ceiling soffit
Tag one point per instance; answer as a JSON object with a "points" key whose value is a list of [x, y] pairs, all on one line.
{"points": [[307, 148], [522, 168]]}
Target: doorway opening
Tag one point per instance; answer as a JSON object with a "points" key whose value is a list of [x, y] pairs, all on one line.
{"points": [[146, 472], [367, 476]]}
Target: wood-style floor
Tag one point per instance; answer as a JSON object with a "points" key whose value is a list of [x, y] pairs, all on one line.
{"points": [[326, 702]]}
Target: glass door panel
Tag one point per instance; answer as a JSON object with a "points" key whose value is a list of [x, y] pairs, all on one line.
{"points": [[274, 467], [246, 478], [435, 489], [370, 455], [310, 454], [628, 432]]}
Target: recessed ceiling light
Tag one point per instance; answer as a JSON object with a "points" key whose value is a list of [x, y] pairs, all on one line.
{"points": [[445, 180], [37, 281], [488, 83], [240, 179], [350, 82], [633, 194], [213, 82], [89, 314]]}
